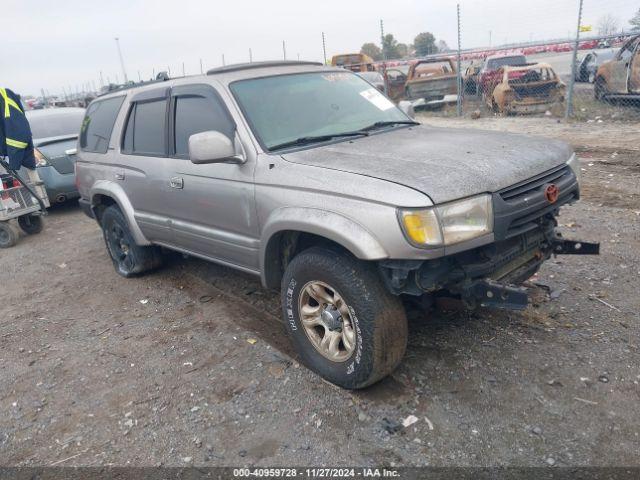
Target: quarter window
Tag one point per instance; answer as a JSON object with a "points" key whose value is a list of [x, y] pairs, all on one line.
{"points": [[195, 114], [96, 128]]}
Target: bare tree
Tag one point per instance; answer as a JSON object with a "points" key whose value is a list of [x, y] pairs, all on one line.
{"points": [[608, 25]]}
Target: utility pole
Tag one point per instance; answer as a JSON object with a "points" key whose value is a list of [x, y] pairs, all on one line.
{"points": [[139, 76], [490, 37], [250, 56], [569, 112], [384, 58], [124, 72], [459, 76], [101, 79], [223, 62], [284, 50], [384, 55], [183, 74], [201, 69], [324, 49]]}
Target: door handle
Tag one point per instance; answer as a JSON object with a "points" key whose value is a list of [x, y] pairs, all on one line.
{"points": [[176, 182], [119, 176]]}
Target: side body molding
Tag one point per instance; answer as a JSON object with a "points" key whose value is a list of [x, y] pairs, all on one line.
{"points": [[333, 226], [113, 190]]}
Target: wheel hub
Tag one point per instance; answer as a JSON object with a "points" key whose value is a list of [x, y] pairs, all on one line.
{"points": [[326, 319], [332, 318]]}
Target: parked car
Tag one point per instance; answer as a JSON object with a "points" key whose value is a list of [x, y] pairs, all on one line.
{"points": [[490, 75], [374, 78], [432, 82], [533, 88], [589, 64], [55, 134], [619, 78], [311, 179]]}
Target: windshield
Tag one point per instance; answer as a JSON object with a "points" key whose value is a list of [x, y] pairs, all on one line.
{"points": [[55, 125], [371, 76], [496, 63], [284, 108]]}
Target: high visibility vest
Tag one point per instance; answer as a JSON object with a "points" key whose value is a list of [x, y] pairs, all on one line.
{"points": [[15, 134]]}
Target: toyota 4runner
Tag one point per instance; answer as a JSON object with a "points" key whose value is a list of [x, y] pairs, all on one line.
{"points": [[310, 178]]}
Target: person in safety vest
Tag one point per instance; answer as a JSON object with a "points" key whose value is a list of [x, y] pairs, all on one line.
{"points": [[16, 141]]}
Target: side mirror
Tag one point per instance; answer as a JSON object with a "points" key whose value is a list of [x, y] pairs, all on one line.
{"points": [[407, 108], [212, 147]]}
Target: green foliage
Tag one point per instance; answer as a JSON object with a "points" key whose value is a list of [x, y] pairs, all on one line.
{"points": [[635, 21], [372, 50], [425, 44]]}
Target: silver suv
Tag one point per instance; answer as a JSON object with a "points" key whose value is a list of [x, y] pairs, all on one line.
{"points": [[310, 178]]}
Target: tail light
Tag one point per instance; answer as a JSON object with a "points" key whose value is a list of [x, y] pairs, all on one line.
{"points": [[41, 160]]}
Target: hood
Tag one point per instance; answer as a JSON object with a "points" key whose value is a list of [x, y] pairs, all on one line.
{"points": [[443, 163]]}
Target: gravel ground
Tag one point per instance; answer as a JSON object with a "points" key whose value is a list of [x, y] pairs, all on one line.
{"points": [[189, 365]]}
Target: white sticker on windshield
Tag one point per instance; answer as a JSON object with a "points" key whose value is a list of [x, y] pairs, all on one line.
{"points": [[375, 97]]}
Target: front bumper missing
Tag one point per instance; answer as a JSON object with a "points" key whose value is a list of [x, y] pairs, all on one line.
{"points": [[488, 276]]}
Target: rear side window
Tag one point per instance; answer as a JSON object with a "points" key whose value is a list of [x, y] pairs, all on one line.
{"points": [[195, 114], [145, 133], [97, 125]]}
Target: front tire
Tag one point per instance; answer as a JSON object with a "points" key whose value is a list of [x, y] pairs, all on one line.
{"points": [[341, 319], [129, 259]]}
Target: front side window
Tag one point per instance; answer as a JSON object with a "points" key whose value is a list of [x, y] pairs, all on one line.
{"points": [[285, 108], [146, 128], [96, 128], [195, 114]]}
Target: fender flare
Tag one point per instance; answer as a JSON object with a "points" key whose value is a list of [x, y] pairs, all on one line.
{"points": [[330, 225], [115, 192]]}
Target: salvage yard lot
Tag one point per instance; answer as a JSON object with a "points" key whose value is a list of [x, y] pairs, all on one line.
{"points": [[190, 365]]}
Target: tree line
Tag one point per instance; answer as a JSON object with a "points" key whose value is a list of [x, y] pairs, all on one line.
{"points": [[424, 44]]}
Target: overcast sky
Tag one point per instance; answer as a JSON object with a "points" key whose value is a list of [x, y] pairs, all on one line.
{"points": [[51, 45]]}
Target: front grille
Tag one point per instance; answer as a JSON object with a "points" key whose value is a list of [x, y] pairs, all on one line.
{"points": [[523, 206], [535, 184]]}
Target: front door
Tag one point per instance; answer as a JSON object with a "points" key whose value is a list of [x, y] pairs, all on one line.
{"points": [[211, 206]]}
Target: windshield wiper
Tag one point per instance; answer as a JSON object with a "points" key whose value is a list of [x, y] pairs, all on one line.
{"points": [[317, 138], [388, 123]]}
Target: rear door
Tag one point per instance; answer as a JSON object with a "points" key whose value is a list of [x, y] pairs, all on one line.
{"points": [[145, 162], [211, 206]]}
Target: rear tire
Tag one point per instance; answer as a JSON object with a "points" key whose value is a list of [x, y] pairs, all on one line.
{"points": [[8, 236], [31, 224], [129, 259], [354, 305]]}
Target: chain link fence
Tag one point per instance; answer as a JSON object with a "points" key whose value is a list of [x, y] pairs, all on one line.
{"points": [[578, 59]]}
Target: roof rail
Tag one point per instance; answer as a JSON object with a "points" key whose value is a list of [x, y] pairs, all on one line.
{"points": [[160, 77], [248, 66]]}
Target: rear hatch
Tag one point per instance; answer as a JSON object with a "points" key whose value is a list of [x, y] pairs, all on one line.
{"points": [[56, 154]]}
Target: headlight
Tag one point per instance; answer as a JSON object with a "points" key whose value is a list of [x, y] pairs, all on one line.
{"points": [[574, 164], [450, 223], [41, 160]]}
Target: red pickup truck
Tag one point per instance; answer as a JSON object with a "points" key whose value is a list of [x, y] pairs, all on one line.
{"points": [[490, 74]]}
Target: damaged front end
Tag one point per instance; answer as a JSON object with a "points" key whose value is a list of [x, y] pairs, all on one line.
{"points": [[491, 275], [529, 89]]}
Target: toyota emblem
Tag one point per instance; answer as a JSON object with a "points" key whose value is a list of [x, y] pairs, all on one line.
{"points": [[551, 193]]}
